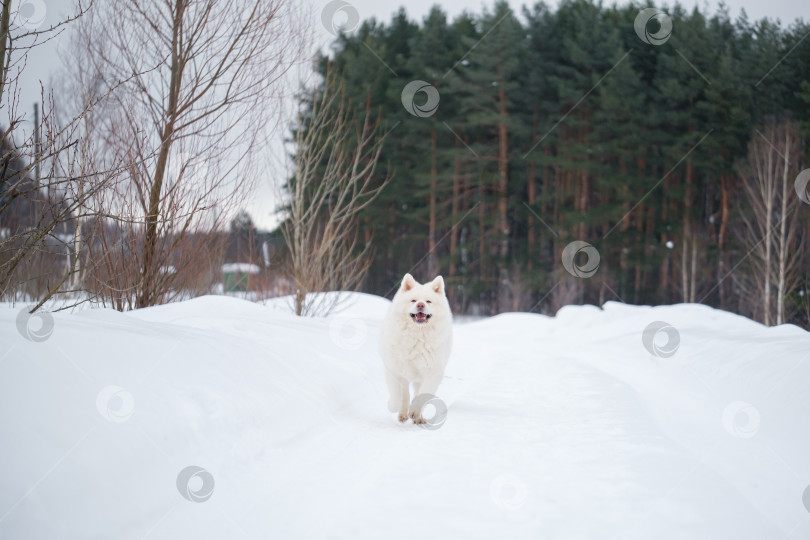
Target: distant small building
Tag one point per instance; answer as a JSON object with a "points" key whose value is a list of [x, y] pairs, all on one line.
{"points": [[237, 276]]}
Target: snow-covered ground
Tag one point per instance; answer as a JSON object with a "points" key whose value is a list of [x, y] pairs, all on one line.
{"points": [[220, 418]]}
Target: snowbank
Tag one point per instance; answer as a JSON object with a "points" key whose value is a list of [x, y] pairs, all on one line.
{"points": [[577, 426]]}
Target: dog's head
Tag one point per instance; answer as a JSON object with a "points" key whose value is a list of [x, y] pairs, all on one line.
{"points": [[421, 302]]}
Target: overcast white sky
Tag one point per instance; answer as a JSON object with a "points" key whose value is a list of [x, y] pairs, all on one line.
{"points": [[786, 10], [45, 59]]}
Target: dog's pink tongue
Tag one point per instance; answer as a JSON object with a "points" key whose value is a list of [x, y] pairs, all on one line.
{"points": [[421, 317]]}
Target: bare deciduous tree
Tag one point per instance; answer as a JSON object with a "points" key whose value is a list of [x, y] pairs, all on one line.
{"points": [[38, 200], [202, 96], [334, 179], [772, 233]]}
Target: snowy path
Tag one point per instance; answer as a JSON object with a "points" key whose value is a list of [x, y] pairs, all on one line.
{"points": [[561, 427]]}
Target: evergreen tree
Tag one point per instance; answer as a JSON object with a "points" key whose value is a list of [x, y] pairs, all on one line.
{"points": [[567, 127]]}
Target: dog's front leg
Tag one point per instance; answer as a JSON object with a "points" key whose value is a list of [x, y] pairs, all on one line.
{"points": [[405, 399], [397, 395], [427, 386]]}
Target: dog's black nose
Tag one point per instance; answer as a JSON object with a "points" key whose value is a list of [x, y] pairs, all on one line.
{"points": [[420, 306]]}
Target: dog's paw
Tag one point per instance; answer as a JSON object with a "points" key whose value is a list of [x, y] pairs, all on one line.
{"points": [[403, 417], [419, 420]]}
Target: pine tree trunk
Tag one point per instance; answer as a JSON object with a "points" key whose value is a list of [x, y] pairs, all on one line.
{"points": [[685, 267], [432, 262], [483, 265], [454, 215], [694, 271], [531, 194], [626, 194], [549, 176], [503, 174], [663, 290], [725, 191], [640, 245], [688, 295]]}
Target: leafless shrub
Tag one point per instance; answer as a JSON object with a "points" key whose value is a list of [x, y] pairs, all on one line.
{"points": [[187, 128], [334, 179], [39, 201]]}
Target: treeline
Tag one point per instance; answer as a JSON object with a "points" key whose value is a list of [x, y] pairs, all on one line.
{"points": [[565, 125]]}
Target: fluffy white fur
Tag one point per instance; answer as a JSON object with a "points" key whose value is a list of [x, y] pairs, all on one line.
{"points": [[415, 343]]}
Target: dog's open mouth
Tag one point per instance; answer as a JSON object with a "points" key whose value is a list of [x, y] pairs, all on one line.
{"points": [[420, 317]]}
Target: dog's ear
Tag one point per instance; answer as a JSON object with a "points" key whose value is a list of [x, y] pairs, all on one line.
{"points": [[408, 283], [438, 285]]}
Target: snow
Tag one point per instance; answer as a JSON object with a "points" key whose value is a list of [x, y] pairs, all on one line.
{"points": [[241, 268], [221, 418]]}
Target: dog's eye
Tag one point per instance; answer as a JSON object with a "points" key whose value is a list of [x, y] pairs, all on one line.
{"points": [[413, 300], [429, 302]]}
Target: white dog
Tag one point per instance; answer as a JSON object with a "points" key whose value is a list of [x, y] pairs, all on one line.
{"points": [[415, 343]]}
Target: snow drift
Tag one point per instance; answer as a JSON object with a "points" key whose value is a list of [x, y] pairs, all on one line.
{"points": [[220, 418]]}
